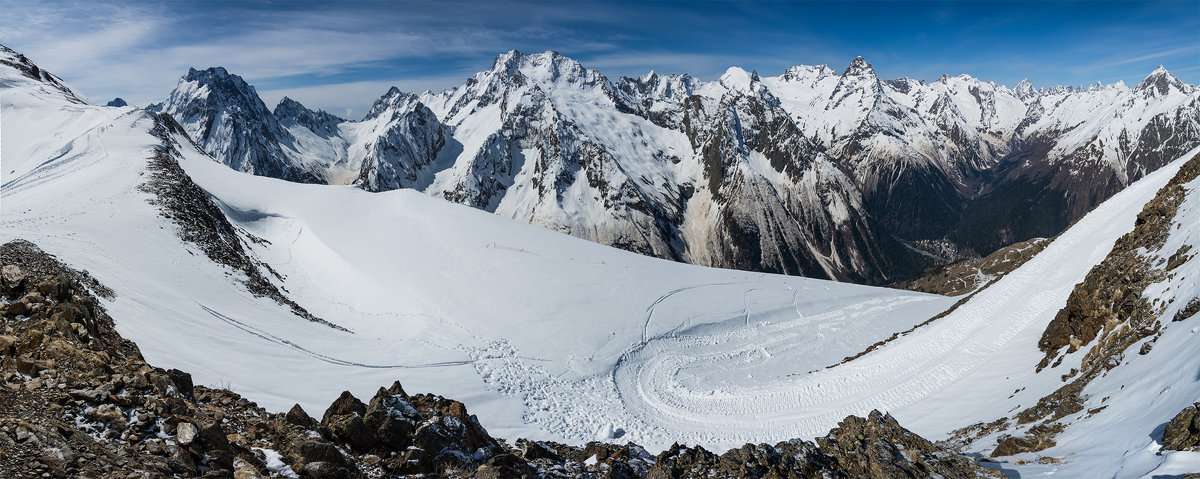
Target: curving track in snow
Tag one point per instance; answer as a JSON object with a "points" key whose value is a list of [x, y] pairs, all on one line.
{"points": [[757, 375]]}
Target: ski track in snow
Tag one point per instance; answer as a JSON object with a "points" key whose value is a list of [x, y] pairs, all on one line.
{"points": [[645, 396], [329, 359], [673, 385]]}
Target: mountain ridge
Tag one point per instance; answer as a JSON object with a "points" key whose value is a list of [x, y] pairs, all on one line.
{"points": [[543, 139]]}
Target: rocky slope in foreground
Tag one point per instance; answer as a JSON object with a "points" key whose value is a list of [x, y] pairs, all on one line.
{"points": [[78, 400]]}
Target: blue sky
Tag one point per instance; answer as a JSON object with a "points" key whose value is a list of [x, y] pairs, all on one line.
{"points": [[341, 56]]}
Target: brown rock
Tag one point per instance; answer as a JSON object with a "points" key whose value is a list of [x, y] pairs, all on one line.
{"points": [[16, 309], [6, 342], [182, 381], [345, 404], [297, 416], [1183, 432]]}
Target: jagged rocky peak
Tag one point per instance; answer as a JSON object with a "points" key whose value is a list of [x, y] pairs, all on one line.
{"points": [[545, 67], [1160, 82], [858, 79], [319, 121], [213, 89], [118, 101], [653, 87], [395, 100], [1025, 90], [859, 68], [858, 73], [904, 85], [807, 72], [666, 85], [220, 77], [226, 117]]}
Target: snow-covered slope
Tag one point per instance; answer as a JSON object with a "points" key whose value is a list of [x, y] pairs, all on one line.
{"points": [[547, 336]]}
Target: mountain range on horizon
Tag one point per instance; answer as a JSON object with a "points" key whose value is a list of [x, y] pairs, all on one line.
{"points": [[842, 176], [815, 173]]}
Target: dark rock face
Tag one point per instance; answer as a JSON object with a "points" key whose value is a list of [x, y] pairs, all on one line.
{"points": [[118, 101], [1183, 432], [404, 152], [319, 122], [78, 400], [225, 116], [821, 232]]}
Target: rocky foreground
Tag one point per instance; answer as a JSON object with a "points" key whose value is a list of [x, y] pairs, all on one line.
{"points": [[77, 400]]}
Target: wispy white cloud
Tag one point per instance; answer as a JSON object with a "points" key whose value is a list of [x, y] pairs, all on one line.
{"points": [[139, 52], [1194, 49]]}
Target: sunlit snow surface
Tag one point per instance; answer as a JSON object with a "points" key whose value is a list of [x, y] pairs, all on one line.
{"points": [[550, 337]]}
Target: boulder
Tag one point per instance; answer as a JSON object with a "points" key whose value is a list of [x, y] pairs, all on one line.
{"points": [[186, 433], [1183, 432], [297, 416], [344, 405]]}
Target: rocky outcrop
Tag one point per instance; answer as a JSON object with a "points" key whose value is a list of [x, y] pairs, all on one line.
{"points": [[200, 222], [875, 446], [1109, 303], [77, 400], [967, 275], [1183, 431]]}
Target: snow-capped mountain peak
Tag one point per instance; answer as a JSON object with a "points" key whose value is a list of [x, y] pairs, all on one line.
{"points": [[219, 81], [807, 72], [545, 67], [541, 138], [1025, 90], [1161, 82], [394, 100], [736, 78], [859, 68]]}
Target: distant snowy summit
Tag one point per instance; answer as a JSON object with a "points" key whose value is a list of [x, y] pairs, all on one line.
{"points": [[811, 172]]}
